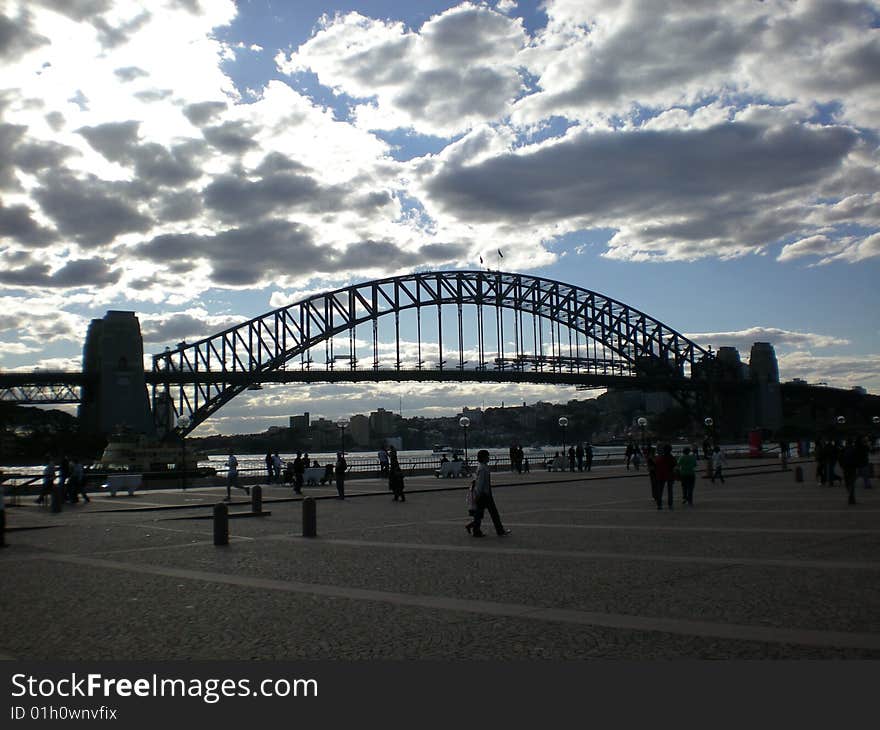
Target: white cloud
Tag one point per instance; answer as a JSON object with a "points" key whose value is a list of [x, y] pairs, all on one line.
{"points": [[444, 78], [781, 339]]}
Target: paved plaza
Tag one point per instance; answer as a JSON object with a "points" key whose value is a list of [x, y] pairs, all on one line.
{"points": [[761, 567]]}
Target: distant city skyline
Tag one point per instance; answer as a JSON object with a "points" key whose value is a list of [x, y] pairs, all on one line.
{"points": [[201, 162]]}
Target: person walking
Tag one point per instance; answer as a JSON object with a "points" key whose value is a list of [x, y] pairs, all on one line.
{"points": [[232, 478], [819, 451], [863, 461], [299, 468], [269, 467], [395, 477], [382, 454], [571, 458], [719, 461], [588, 456], [579, 453], [629, 454], [651, 464], [276, 467], [78, 482], [340, 474], [484, 499], [687, 473], [849, 464], [664, 476], [48, 481]]}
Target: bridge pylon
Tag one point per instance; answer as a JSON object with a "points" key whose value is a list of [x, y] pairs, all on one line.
{"points": [[114, 394]]}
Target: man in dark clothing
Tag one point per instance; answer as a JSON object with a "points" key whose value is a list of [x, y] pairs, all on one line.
{"points": [[298, 470], [848, 462], [588, 456], [579, 453]]}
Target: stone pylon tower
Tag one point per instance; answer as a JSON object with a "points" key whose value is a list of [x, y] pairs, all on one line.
{"points": [[115, 395], [767, 396]]}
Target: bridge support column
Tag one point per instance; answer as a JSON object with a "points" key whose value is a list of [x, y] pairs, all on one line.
{"points": [[115, 393]]}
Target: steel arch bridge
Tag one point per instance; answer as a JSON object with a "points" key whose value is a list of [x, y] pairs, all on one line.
{"points": [[521, 329]]}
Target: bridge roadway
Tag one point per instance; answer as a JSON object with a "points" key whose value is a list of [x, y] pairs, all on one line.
{"points": [[48, 386], [761, 567]]}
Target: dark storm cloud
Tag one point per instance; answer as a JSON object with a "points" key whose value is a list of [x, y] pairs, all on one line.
{"points": [[31, 275], [17, 37], [277, 162], [32, 156], [153, 163], [182, 326], [114, 140], [204, 111], [262, 252], [91, 211], [181, 205], [78, 9], [469, 34], [17, 223], [112, 36], [235, 197], [77, 273], [457, 92], [55, 121], [640, 173], [231, 137], [130, 73], [241, 256]]}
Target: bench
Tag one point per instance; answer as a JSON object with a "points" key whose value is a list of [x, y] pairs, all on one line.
{"points": [[122, 483], [449, 469]]}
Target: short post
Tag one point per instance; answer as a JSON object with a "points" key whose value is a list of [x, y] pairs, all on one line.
{"points": [[55, 498], [310, 520], [798, 474], [2, 519], [221, 524], [257, 499]]}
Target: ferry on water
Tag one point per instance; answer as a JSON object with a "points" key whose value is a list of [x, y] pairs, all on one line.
{"points": [[138, 453]]}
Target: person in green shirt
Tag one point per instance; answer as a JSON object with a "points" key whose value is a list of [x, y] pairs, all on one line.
{"points": [[687, 472]]}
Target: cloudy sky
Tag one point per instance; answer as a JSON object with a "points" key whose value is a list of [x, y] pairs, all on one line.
{"points": [[204, 161]]}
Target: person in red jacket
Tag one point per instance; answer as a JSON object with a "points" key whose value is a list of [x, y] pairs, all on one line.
{"points": [[664, 470]]}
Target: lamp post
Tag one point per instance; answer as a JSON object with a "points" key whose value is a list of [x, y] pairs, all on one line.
{"points": [[710, 431], [563, 424], [841, 422], [710, 437], [465, 424], [183, 424], [342, 424], [642, 421], [876, 421]]}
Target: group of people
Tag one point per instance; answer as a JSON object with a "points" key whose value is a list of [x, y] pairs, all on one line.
{"points": [[664, 469], [72, 477], [853, 455]]}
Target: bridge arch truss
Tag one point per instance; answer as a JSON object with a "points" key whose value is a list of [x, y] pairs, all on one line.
{"points": [[521, 327]]}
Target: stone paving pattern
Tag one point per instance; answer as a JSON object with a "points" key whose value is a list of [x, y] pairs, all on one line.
{"points": [[761, 567]]}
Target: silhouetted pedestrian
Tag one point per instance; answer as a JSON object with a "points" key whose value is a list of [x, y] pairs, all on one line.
{"points": [[849, 465], [571, 458], [719, 461], [664, 476], [48, 481], [269, 467], [395, 476], [299, 468], [588, 456], [687, 473], [232, 478], [579, 454], [484, 498], [340, 474]]}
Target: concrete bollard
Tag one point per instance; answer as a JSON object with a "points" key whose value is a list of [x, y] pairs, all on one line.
{"points": [[221, 524], [257, 499], [310, 518], [55, 499], [798, 474]]}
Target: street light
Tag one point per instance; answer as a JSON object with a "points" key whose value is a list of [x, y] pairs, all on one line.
{"points": [[465, 423], [642, 421], [342, 424], [563, 423], [183, 424]]}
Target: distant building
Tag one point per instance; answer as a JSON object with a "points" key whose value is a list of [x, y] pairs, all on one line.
{"points": [[382, 423], [359, 430], [300, 424]]}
